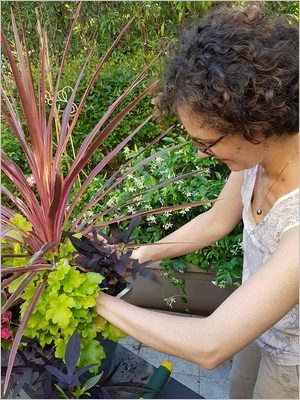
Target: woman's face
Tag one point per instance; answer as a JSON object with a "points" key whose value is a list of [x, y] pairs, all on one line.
{"points": [[234, 150]]}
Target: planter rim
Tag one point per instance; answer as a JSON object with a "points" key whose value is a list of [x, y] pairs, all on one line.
{"points": [[190, 268]]}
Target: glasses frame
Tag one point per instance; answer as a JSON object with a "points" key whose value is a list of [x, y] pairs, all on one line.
{"points": [[203, 148]]}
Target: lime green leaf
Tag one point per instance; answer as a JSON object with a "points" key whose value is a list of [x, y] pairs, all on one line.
{"points": [[92, 353], [99, 323], [88, 333], [66, 250], [59, 311], [37, 321], [45, 338], [113, 333], [72, 280], [108, 331], [68, 331], [90, 286], [59, 274], [60, 347], [21, 222], [53, 329], [14, 284]]}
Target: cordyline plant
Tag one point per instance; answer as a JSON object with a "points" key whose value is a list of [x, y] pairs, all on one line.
{"points": [[35, 245]]}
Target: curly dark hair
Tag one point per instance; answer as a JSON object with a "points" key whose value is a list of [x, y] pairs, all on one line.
{"points": [[238, 69]]}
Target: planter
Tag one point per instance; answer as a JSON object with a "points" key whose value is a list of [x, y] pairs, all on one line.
{"points": [[203, 296], [133, 368]]}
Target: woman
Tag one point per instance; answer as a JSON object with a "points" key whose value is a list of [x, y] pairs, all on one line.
{"points": [[233, 83]]}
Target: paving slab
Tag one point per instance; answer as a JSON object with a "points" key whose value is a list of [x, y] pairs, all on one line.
{"points": [[211, 388], [184, 367], [191, 381], [211, 384]]}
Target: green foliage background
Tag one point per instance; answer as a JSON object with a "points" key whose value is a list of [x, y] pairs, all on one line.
{"points": [[158, 24]]}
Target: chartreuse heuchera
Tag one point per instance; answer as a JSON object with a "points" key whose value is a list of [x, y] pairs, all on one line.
{"points": [[50, 293], [66, 304]]}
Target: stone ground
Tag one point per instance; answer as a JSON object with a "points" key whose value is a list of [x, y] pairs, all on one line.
{"points": [[209, 384]]}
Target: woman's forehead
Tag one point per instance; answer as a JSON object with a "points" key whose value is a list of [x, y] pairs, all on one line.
{"points": [[196, 124]]}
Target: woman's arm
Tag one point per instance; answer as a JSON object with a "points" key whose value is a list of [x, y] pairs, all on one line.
{"points": [[252, 309], [203, 230]]}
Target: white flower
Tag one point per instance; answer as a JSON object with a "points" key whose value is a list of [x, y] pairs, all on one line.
{"points": [[168, 225], [111, 202], [236, 284], [188, 194], [139, 182], [31, 181], [158, 160], [184, 211], [131, 209], [131, 189], [167, 214], [170, 301], [151, 218]]}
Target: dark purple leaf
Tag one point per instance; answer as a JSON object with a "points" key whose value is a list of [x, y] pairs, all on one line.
{"points": [[57, 373], [72, 353], [83, 370]]}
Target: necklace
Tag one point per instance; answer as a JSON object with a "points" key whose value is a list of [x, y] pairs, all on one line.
{"points": [[259, 209]]}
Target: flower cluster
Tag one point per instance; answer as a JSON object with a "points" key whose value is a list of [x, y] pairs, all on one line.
{"points": [[6, 331]]}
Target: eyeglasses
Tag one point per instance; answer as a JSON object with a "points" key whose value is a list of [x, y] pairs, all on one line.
{"points": [[203, 148]]}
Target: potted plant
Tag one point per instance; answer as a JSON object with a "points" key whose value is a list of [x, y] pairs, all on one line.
{"points": [[38, 376], [48, 289]]}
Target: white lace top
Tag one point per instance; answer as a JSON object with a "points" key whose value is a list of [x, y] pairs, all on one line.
{"points": [[281, 342]]}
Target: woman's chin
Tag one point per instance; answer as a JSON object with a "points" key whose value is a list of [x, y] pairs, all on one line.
{"points": [[233, 165]]}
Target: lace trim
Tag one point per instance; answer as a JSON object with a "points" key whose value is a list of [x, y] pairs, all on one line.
{"points": [[283, 215]]}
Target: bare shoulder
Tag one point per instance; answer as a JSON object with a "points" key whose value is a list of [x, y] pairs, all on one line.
{"points": [[288, 248]]}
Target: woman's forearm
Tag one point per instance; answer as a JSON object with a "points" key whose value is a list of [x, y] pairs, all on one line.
{"points": [[164, 332], [203, 230], [194, 235]]}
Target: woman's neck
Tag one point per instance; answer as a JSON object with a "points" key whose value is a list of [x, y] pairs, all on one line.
{"points": [[281, 156]]}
